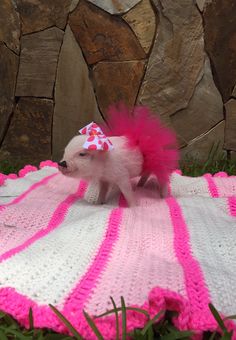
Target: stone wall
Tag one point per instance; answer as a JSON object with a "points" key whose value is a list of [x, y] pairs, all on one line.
{"points": [[62, 62]]}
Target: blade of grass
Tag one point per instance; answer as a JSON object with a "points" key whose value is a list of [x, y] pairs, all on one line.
{"points": [[93, 326], [138, 310], [123, 309], [152, 321], [17, 334], [2, 336], [212, 336], [230, 317], [31, 319], [178, 335], [217, 317], [2, 315], [227, 336], [117, 318], [66, 323], [56, 337], [150, 333]]}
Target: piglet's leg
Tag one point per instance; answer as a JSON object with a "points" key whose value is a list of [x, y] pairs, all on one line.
{"points": [[126, 189], [164, 190], [143, 180], [104, 186]]}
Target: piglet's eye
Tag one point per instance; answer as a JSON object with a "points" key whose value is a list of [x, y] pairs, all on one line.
{"points": [[82, 154]]}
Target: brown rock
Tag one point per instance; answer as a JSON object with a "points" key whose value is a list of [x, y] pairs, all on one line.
{"points": [[234, 92], [199, 148], [176, 60], [142, 20], [8, 71], [103, 36], [230, 127], [37, 15], [75, 103], [202, 3], [233, 156], [220, 42], [204, 111], [9, 25], [28, 140], [115, 7], [73, 5], [117, 81], [38, 62]]}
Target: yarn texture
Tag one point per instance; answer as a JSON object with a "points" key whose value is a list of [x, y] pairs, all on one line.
{"points": [[58, 248]]}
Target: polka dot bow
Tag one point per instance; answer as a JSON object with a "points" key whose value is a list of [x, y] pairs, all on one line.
{"points": [[96, 139]]}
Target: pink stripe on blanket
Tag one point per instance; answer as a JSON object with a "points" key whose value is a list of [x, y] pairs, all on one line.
{"points": [[196, 288], [21, 223], [212, 187], [44, 181], [232, 205], [142, 258], [226, 186], [81, 293], [222, 185]]}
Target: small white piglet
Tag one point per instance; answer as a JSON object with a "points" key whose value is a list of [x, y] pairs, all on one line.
{"points": [[133, 143]]}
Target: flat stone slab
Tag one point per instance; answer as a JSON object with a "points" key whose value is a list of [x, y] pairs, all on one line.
{"points": [[115, 7], [220, 42], [177, 58], [9, 25], [205, 108], [103, 37], [75, 103], [28, 139], [126, 79], [38, 63], [8, 71], [230, 127], [39, 15], [143, 22]]}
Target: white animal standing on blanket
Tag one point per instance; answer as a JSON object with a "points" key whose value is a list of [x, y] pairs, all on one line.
{"points": [[132, 144]]}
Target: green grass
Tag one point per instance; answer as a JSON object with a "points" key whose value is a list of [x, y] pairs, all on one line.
{"points": [[189, 167], [215, 162], [159, 327], [7, 168]]}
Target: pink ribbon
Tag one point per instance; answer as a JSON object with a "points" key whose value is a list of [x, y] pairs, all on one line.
{"points": [[96, 139]]}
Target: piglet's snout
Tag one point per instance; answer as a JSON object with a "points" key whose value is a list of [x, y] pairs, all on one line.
{"points": [[62, 164], [63, 167]]}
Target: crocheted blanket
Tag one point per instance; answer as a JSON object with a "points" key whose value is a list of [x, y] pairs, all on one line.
{"points": [[166, 254]]}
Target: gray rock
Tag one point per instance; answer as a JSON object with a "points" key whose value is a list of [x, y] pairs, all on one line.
{"points": [[199, 148], [8, 71], [75, 103], [38, 63], [9, 25], [176, 60], [115, 7], [205, 108], [230, 127]]}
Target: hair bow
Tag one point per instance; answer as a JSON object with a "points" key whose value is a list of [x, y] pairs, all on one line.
{"points": [[96, 139]]}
